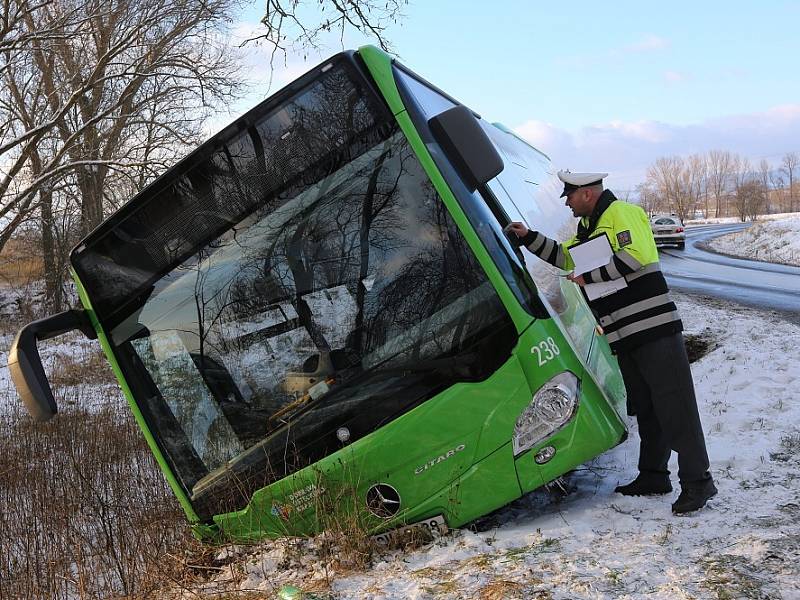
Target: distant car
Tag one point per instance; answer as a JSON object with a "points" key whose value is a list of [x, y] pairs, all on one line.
{"points": [[668, 230]]}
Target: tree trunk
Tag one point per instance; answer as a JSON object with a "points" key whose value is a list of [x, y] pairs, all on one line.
{"points": [[50, 254], [91, 199]]}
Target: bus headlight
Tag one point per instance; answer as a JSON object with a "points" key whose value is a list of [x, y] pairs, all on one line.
{"points": [[552, 406]]}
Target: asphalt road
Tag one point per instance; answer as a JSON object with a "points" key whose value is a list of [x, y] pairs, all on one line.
{"points": [[754, 283]]}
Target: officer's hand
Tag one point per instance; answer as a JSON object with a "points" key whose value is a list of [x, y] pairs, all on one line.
{"points": [[517, 229], [577, 279]]}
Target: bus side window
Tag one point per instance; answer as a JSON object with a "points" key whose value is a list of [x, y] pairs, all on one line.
{"points": [[508, 211], [524, 185]]}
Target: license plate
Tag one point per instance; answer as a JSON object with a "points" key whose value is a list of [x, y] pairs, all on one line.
{"points": [[435, 526]]}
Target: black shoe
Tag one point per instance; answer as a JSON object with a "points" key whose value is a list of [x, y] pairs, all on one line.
{"points": [[694, 496], [646, 484]]}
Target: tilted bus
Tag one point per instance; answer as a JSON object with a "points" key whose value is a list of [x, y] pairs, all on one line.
{"points": [[321, 298]]}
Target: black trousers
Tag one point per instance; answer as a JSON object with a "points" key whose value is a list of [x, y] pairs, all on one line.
{"points": [[660, 391]]}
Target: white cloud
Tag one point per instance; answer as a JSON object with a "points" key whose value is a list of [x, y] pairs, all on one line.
{"points": [[627, 148], [545, 135], [647, 43], [675, 77]]}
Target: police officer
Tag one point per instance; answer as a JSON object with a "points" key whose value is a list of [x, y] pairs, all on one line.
{"points": [[643, 328]]}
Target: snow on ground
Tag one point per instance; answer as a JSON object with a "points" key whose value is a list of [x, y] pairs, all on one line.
{"points": [[727, 220], [773, 241], [593, 543]]}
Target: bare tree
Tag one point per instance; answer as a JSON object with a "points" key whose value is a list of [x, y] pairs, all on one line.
{"points": [[288, 27], [777, 183], [742, 170], [749, 199], [720, 172], [26, 118], [789, 164], [745, 185], [649, 198], [764, 179], [696, 182], [672, 178], [112, 94]]}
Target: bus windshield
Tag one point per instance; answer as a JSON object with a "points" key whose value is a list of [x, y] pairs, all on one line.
{"points": [[289, 299]]}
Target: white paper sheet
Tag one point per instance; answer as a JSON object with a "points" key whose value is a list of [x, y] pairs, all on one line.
{"points": [[591, 254]]}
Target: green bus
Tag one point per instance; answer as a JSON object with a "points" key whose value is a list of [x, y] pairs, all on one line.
{"points": [[318, 312]]}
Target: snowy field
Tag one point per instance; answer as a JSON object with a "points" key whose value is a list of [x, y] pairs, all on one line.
{"points": [[775, 241], [588, 542], [724, 220]]}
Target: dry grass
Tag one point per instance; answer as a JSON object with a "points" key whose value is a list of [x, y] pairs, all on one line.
{"points": [[501, 589], [731, 577], [86, 511], [442, 588], [346, 544], [85, 367], [18, 264]]}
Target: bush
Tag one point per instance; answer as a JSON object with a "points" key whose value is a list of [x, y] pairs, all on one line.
{"points": [[86, 510]]}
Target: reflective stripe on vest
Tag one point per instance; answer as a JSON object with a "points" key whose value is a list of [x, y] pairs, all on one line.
{"points": [[645, 270], [615, 336], [634, 308], [633, 264]]}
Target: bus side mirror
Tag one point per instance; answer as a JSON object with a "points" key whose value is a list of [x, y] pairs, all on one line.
{"points": [[25, 364], [466, 144]]}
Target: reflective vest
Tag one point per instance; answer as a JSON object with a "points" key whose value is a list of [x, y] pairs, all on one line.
{"points": [[641, 311]]}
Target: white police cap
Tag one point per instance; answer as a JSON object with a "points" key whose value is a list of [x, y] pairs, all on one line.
{"points": [[573, 181]]}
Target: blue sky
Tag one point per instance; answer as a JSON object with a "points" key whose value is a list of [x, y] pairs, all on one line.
{"points": [[605, 86]]}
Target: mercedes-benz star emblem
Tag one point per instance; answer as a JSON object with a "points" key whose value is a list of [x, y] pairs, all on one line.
{"points": [[383, 500]]}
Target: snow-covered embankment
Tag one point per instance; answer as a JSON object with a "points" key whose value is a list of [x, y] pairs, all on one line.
{"points": [[775, 241]]}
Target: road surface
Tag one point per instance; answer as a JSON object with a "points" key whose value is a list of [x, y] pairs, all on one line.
{"points": [[749, 282]]}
